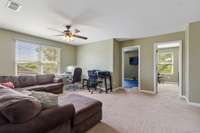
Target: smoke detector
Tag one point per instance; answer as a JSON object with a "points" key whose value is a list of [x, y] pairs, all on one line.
{"points": [[13, 5]]}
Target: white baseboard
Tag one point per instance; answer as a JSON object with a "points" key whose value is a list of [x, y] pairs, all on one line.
{"points": [[147, 91], [117, 88], [183, 97], [191, 103], [168, 82], [194, 104]]}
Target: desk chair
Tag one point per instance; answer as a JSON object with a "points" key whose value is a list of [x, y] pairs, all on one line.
{"points": [[76, 78], [77, 75], [93, 81]]}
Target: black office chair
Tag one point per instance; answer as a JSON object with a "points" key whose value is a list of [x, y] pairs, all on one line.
{"points": [[77, 75], [76, 78]]}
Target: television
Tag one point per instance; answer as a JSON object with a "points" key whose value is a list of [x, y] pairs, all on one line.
{"points": [[133, 60]]}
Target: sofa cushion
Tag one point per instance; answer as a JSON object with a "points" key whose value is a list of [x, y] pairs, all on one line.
{"points": [[47, 87], [27, 80], [31, 88], [17, 107], [46, 99], [13, 79], [45, 79], [84, 107]]}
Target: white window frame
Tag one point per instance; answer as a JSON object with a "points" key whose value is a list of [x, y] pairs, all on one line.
{"points": [[40, 56], [172, 54]]}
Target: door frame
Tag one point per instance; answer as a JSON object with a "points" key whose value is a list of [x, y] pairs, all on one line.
{"points": [[132, 48], [180, 65]]}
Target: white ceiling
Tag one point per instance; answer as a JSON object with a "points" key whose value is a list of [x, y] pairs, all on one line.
{"points": [[100, 19]]}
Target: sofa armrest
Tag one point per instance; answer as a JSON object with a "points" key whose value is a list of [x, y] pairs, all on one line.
{"points": [[44, 122], [57, 115]]}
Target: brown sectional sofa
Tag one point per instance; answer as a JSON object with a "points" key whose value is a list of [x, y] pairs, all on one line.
{"points": [[47, 83], [21, 114]]}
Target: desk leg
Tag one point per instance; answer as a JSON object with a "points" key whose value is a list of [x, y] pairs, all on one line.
{"points": [[106, 87], [110, 84]]}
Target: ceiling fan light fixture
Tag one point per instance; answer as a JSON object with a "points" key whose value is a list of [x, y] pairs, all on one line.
{"points": [[69, 38], [70, 35]]}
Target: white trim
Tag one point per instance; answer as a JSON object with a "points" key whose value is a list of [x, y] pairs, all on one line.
{"points": [[168, 82], [180, 65], [131, 48], [180, 68], [194, 104], [155, 58], [191, 103], [15, 58], [147, 91], [187, 66], [184, 97]]}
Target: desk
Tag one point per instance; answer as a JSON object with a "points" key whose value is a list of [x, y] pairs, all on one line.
{"points": [[85, 83], [106, 75], [99, 78], [66, 77]]}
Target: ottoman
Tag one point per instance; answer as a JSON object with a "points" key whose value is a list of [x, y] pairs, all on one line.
{"points": [[88, 112]]}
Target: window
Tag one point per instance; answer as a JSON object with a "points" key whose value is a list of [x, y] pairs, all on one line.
{"points": [[36, 59], [165, 63]]}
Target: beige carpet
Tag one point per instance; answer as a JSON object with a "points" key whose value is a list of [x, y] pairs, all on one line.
{"points": [[133, 112]]}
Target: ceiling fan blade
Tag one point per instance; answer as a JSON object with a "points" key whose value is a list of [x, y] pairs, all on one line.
{"points": [[58, 35], [76, 30], [55, 30], [81, 37]]}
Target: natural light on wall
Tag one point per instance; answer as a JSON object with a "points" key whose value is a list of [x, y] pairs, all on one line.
{"points": [[165, 63], [36, 59]]}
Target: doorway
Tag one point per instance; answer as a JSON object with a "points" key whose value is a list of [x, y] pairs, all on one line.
{"points": [[168, 66], [131, 67]]}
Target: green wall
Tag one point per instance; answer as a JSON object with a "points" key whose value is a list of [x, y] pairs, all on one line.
{"points": [[116, 64], [102, 55], [97, 55], [193, 44]]}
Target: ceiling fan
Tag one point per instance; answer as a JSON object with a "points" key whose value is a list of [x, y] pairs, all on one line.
{"points": [[69, 34]]}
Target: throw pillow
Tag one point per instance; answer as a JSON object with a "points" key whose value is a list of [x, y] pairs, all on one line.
{"points": [[2, 87], [46, 99], [17, 107], [8, 84]]}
